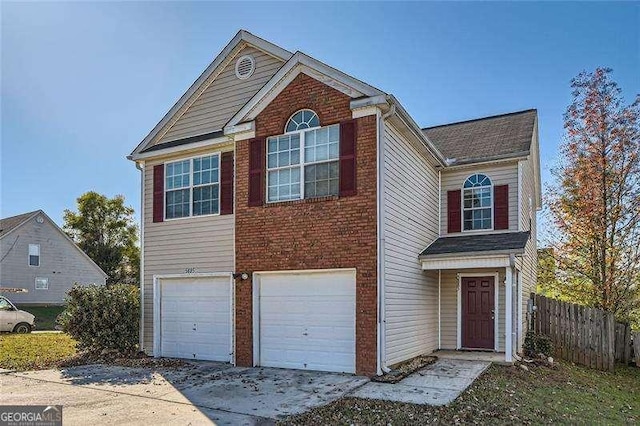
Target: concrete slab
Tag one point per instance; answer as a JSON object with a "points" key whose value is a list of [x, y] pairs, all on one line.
{"points": [[200, 391], [437, 384]]}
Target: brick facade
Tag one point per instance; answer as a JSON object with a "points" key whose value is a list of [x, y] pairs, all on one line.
{"points": [[331, 232]]}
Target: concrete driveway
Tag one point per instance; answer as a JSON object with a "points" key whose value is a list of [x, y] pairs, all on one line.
{"points": [[199, 393]]}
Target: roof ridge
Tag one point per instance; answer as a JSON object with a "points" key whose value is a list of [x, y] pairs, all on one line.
{"points": [[481, 118]]}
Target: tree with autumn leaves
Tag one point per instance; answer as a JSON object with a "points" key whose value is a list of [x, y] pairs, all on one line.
{"points": [[595, 203]]}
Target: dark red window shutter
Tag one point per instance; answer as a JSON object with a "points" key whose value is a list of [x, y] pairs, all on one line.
{"points": [[257, 162], [501, 207], [226, 183], [348, 139], [454, 220], [158, 193]]}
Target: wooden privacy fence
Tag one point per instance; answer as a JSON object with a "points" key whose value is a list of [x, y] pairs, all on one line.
{"points": [[583, 335]]}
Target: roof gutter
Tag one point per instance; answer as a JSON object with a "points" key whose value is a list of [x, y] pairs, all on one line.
{"points": [[391, 104]]}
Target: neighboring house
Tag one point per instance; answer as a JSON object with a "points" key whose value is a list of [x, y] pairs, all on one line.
{"points": [[296, 217], [36, 255]]}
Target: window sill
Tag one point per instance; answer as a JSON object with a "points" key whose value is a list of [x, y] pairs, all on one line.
{"points": [[303, 201]]}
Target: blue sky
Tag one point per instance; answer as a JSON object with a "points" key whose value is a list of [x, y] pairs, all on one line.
{"points": [[83, 83]]}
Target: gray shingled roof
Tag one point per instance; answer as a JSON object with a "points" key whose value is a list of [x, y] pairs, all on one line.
{"points": [[10, 223], [510, 241], [500, 136]]}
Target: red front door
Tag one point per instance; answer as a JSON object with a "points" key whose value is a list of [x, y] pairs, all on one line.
{"points": [[478, 312]]}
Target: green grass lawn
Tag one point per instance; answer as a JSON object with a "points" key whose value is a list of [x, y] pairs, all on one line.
{"points": [[45, 315], [565, 394], [34, 351]]}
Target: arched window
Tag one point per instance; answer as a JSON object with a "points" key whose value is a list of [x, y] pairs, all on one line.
{"points": [[303, 119], [477, 203]]}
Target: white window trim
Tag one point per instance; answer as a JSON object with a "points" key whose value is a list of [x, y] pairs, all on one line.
{"points": [[191, 186], [462, 208], [302, 162], [41, 278], [29, 256]]}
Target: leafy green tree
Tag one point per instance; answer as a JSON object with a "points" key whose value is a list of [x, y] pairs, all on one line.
{"points": [[104, 228]]}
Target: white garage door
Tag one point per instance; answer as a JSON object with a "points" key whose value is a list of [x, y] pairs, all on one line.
{"points": [[195, 318], [307, 320]]}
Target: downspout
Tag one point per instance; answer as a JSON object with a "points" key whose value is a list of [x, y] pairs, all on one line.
{"points": [[140, 166], [439, 309], [381, 240]]}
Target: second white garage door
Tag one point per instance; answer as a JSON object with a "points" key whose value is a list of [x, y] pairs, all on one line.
{"points": [[195, 318], [307, 320]]}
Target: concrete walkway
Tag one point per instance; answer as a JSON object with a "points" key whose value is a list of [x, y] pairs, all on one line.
{"points": [[200, 393], [437, 384]]}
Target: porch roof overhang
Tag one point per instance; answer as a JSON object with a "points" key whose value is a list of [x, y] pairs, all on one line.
{"points": [[474, 251]]}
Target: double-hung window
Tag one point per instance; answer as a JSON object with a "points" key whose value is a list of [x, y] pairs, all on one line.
{"points": [[34, 254], [303, 163], [192, 187], [477, 203]]}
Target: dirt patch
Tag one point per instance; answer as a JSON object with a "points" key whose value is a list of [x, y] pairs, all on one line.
{"points": [[109, 358], [404, 369]]}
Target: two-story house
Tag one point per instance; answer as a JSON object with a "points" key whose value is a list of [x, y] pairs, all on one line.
{"points": [[297, 217], [36, 256]]}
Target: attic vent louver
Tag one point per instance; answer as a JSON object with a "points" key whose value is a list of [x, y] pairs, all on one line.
{"points": [[245, 66]]}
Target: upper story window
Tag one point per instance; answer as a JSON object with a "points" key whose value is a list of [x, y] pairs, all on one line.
{"points": [[303, 119], [192, 187], [304, 162], [34, 254], [477, 203]]}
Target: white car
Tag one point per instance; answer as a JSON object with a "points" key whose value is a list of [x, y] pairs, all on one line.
{"points": [[13, 319]]}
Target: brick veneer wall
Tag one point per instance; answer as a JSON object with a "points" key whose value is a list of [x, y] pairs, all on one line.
{"points": [[325, 233]]}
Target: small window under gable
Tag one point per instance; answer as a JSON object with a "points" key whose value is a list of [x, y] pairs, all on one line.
{"points": [[477, 203]]}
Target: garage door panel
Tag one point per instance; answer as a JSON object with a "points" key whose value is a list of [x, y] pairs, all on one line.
{"points": [[196, 318], [307, 320]]}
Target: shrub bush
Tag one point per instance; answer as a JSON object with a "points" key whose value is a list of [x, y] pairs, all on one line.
{"points": [[535, 344], [103, 317]]}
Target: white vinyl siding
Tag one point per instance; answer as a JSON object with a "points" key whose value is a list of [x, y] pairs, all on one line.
{"points": [[500, 174], [530, 259], [223, 97], [57, 254], [199, 244], [410, 224]]}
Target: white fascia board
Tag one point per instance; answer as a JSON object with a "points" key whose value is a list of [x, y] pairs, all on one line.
{"points": [[240, 127], [510, 158], [459, 262], [241, 37], [175, 149], [301, 63]]}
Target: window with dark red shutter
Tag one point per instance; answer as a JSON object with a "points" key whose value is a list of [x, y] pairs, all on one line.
{"points": [[454, 219], [501, 207], [158, 193], [226, 183], [348, 139], [256, 171]]}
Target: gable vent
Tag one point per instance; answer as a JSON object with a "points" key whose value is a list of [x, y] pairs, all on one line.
{"points": [[245, 66]]}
